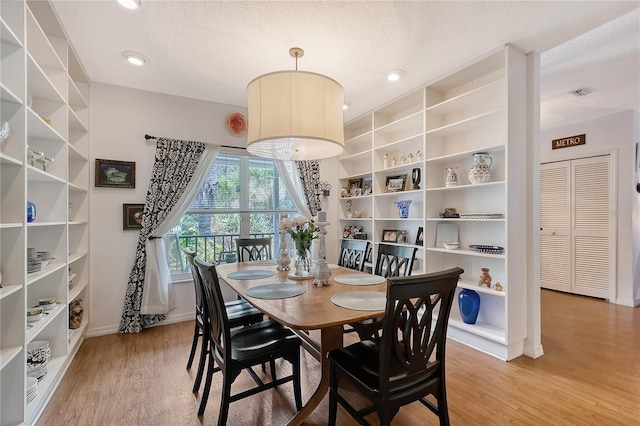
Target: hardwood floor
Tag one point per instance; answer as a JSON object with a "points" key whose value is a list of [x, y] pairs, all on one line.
{"points": [[589, 375]]}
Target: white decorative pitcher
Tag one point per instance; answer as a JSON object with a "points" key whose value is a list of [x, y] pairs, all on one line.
{"points": [[452, 176], [481, 170]]}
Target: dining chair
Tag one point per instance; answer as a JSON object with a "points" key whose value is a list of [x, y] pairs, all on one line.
{"points": [[248, 249], [242, 348], [407, 364], [239, 312], [392, 261], [353, 254]]}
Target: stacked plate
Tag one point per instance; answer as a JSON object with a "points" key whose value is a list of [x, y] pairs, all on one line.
{"points": [[44, 257], [38, 355], [32, 388], [33, 263]]}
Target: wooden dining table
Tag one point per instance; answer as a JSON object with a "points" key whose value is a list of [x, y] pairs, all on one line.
{"points": [[312, 310]]}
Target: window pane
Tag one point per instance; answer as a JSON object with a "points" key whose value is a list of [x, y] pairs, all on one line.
{"points": [[222, 188]]}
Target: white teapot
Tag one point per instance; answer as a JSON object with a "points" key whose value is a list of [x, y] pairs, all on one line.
{"points": [[481, 170]]}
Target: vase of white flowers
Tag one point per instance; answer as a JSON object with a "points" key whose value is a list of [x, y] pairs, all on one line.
{"points": [[302, 232]]}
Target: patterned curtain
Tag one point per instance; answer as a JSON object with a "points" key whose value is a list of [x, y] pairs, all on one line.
{"points": [[310, 178], [175, 164]]}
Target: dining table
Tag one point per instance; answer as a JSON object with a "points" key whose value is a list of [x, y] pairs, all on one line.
{"points": [[309, 307]]}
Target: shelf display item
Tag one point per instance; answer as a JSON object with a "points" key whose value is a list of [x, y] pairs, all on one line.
{"points": [[284, 260], [5, 131], [469, 304], [486, 249], [75, 314], [452, 176], [415, 177], [485, 278], [403, 208], [481, 170], [31, 211]]}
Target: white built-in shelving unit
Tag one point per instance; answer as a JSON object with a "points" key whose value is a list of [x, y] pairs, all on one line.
{"points": [[480, 107], [45, 100]]}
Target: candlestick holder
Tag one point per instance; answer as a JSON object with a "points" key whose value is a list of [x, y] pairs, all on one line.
{"points": [[321, 272], [284, 260]]}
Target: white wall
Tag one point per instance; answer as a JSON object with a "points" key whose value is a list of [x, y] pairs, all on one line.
{"points": [[617, 133], [120, 117]]}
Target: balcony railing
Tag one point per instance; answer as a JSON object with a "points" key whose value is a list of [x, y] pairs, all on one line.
{"points": [[211, 248]]}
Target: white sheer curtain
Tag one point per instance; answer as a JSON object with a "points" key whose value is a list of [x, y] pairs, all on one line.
{"points": [[288, 171], [157, 296]]}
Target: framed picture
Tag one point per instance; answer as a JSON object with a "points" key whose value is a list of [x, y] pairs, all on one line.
{"points": [[132, 216], [395, 183], [420, 237], [115, 174], [367, 186], [353, 185], [389, 236], [357, 192], [402, 236]]}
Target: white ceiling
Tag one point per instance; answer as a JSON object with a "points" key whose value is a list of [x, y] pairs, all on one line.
{"points": [[210, 50]]}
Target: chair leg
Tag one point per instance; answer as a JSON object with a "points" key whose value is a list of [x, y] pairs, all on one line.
{"points": [[297, 391], [204, 351], [224, 401], [272, 367], [333, 401], [443, 409], [207, 387], [196, 336]]}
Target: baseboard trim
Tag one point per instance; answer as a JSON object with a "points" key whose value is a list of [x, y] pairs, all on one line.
{"points": [[113, 329]]}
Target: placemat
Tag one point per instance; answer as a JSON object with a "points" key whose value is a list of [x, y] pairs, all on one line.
{"points": [[360, 279], [276, 291], [361, 300], [252, 274], [264, 262]]}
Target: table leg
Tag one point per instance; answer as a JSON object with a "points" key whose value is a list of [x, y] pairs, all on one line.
{"points": [[330, 338]]}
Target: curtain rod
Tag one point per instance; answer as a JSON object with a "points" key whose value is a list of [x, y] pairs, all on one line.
{"points": [[147, 137]]}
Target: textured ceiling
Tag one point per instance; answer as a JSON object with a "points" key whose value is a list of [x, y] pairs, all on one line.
{"points": [[210, 50]]}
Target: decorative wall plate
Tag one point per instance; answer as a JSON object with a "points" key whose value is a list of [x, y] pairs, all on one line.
{"points": [[237, 124]]}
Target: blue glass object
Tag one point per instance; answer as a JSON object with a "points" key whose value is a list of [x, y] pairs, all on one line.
{"points": [[469, 303], [31, 211], [403, 208]]}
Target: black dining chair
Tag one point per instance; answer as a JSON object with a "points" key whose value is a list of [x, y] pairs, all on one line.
{"points": [[248, 249], [242, 348], [353, 254], [407, 363], [392, 261], [239, 312]]}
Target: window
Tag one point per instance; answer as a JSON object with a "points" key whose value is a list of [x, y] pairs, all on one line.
{"points": [[243, 196]]}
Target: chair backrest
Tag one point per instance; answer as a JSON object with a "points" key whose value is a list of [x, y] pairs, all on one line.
{"points": [[249, 249], [197, 284], [395, 261], [215, 311], [353, 254], [408, 338]]}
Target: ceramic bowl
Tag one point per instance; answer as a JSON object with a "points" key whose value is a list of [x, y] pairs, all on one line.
{"points": [[47, 301], [38, 352], [32, 312], [451, 245]]}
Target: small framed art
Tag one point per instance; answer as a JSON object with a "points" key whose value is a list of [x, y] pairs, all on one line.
{"points": [[367, 186], [353, 185], [389, 236], [402, 236], [115, 174], [132, 216], [395, 183]]}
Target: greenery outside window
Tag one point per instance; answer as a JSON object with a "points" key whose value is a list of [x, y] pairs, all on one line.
{"points": [[243, 196]]}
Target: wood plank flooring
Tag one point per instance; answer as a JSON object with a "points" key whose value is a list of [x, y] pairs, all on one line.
{"points": [[589, 375]]}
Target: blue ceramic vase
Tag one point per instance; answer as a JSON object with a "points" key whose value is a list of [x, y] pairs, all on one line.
{"points": [[469, 303], [31, 211], [403, 208]]}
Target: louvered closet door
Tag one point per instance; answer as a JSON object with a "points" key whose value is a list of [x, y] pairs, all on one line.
{"points": [[555, 227], [591, 213]]}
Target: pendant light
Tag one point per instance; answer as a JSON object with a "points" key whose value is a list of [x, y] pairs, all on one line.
{"points": [[295, 115]]}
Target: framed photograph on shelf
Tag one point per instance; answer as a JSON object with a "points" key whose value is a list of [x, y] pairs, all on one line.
{"points": [[402, 236], [132, 216], [420, 237], [353, 185], [395, 183], [367, 186], [115, 174], [389, 236]]}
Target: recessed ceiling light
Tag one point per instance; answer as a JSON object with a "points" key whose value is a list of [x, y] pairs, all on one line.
{"points": [[394, 75], [135, 58], [346, 105], [130, 4]]}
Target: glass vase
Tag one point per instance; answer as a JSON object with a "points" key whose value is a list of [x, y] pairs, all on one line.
{"points": [[303, 259]]}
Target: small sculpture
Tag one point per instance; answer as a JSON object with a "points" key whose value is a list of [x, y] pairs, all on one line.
{"points": [[485, 278], [403, 160], [452, 176], [349, 209], [419, 156], [410, 158], [385, 160], [394, 162], [497, 287]]}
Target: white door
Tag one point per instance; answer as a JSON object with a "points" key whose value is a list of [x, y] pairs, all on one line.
{"points": [[576, 253], [555, 211]]}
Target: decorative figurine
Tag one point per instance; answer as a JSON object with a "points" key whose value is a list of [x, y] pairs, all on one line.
{"points": [[394, 162], [385, 160], [349, 209], [403, 160], [485, 278], [410, 158], [452, 176], [497, 287], [415, 178], [419, 156]]}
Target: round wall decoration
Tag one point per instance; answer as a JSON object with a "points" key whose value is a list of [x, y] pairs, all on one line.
{"points": [[237, 124]]}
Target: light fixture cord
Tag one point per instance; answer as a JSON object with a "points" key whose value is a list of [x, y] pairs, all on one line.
{"points": [[296, 61]]}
